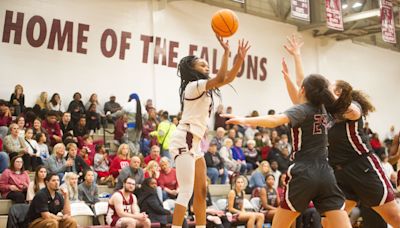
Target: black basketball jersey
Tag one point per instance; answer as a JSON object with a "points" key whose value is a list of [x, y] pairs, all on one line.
{"points": [[347, 140], [308, 126]]}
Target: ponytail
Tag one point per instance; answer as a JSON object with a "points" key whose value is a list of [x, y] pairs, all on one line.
{"points": [[317, 91]]}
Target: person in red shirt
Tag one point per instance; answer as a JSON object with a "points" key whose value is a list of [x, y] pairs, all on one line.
{"points": [[120, 128], [154, 155], [52, 127], [120, 161], [167, 180]]}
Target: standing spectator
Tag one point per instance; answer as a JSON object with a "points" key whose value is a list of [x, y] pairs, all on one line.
{"points": [[251, 153], [55, 104], [120, 161], [13, 144], [219, 138], [167, 180], [215, 165], [33, 160], [37, 183], [14, 181], [56, 163], [101, 164], [70, 185], [149, 126], [17, 100], [5, 119], [47, 203], [123, 210], [257, 179], [219, 121], [154, 155], [52, 127], [76, 108], [152, 170], [164, 133], [120, 129], [151, 204], [133, 170], [87, 190]]}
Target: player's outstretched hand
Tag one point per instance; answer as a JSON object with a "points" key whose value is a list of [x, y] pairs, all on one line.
{"points": [[294, 45], [243, 48]]}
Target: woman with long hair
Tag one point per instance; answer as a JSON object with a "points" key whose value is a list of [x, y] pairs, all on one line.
{"points": [[37, 183], [55, 104], [196, 93], [358, 170], [14, 181], [71, 185], [310, 176], [121, 160], [17, 100]]}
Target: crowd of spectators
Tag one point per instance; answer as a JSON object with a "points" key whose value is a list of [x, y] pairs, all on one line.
{"points": [[49, 140]]}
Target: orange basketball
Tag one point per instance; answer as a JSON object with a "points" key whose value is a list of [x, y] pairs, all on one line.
{"points": [[224, 22]]}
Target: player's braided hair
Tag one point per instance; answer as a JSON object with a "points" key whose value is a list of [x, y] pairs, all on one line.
{"points": [[188, 74]]}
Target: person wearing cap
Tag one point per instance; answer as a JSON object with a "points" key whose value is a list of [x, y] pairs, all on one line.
{"points": [[215, 165]]}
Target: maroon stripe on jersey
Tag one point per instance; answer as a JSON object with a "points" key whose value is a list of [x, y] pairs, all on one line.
{"points": [[388, 186], [189, 140], [356, 139], [295, 134]]}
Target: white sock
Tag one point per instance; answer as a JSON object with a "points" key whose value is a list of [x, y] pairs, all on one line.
{"points": [[173, 226], [202, 226]]}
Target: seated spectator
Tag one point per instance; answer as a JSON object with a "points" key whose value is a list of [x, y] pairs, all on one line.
{"points": [[47, 203], [257, 179], [250, 133], [87, 141], [133, 170], [93, 100], [152, 170], [251, 153], [78, 163], [219, 120], [33, 160], [229, 163], [219, 138], [275, 171], [154, 155], [43, 149], [80, 128], [238, 154], [52, 127], [84, 154], [17, 100], [120, 161], [66, 124], [215, 218], [37, 128], [150, 125], [21, 126], [37, 183], [101, 164], [56, 162], [279, 155], [76, 108], [92, 118], [42, 102], [5, 119], [269, 197], [13, 144], [70, 185], [14, 181], [236, 205], [281, 186], [215, 165], [167, 180], [112, 107], [4, 158], [120, 127], [376, 144], [123, 209], [87, 190], [284, 142], [150, 203], [30, 116], [55, 104]]}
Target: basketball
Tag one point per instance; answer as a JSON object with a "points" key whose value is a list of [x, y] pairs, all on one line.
{"points": [[224, 23]]}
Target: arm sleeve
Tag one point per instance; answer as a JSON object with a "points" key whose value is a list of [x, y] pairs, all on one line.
{"points": [[195, 89], [296, 115]]}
